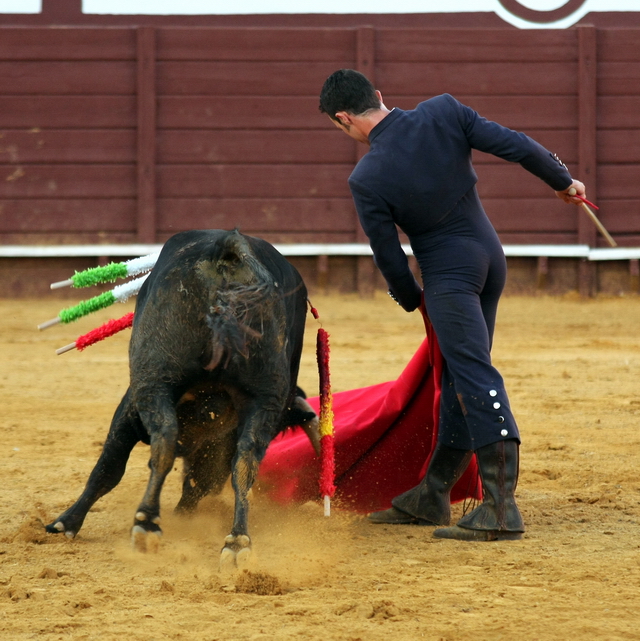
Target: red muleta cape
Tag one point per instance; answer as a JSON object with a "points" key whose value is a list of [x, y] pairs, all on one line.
{"points": [[384, 437]]}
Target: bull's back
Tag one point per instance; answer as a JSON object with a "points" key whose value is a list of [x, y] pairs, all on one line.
{"points": [[186, 290], [184, 252]]}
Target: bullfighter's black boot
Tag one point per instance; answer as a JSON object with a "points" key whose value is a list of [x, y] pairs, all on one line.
{"points": [[428, 503], [497, 518]]}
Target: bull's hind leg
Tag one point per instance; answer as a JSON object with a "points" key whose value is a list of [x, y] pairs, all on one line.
{"points": [[159, 418], [237, 545], [123, 435], [252, 446]]}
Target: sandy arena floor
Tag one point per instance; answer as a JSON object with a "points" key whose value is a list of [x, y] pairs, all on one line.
{"points": [[572, 369]]}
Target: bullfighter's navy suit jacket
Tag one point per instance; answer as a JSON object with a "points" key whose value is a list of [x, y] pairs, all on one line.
{"points": [[418, 175], [419, 167]]}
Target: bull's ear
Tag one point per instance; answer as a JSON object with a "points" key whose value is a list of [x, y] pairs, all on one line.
{"points": [[300, 392]]}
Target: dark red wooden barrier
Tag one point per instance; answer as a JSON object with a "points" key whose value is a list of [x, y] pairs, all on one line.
{"points": [[131, 133], [124, 134]]}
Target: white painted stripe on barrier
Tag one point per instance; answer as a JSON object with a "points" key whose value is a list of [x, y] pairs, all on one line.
{"points": [[313, 249], [329, 249], [71, 251], [615, 253], [550, 251]]}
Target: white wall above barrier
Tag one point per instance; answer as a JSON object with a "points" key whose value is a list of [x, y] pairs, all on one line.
{"points": [[20, 6], [524, 14]]}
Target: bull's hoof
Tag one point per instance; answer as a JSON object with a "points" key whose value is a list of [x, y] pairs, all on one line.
{"points": [[145, 534], [58, 527], [145, 541], [236, 553]]}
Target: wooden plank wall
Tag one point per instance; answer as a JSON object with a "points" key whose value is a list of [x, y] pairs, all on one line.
{"points": [[68, 128], [618, 132], [125, 134], [240, 139]]}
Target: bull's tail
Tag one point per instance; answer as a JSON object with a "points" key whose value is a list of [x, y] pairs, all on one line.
{"points": [[241, 284]]}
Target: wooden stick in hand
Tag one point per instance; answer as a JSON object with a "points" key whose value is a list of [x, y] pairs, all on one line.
{"points": [[594, 218]]}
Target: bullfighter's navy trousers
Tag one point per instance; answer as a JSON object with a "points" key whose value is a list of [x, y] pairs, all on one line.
{"points": [[463, 271]]}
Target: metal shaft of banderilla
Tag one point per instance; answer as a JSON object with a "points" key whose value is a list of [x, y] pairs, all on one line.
{"points": [[596, 221]]}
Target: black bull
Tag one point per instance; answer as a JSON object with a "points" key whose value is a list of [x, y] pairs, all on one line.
{"points": [[213, 357]]}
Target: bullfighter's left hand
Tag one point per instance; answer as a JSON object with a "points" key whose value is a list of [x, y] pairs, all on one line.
{"points": [[572, 199]]}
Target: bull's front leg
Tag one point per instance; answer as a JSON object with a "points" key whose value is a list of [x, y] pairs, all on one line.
{"points": [[122, 437], [162, 424], [254, 438]]}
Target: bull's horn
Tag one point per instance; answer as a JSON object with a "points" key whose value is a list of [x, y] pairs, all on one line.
{"points": [[311, 427]]}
